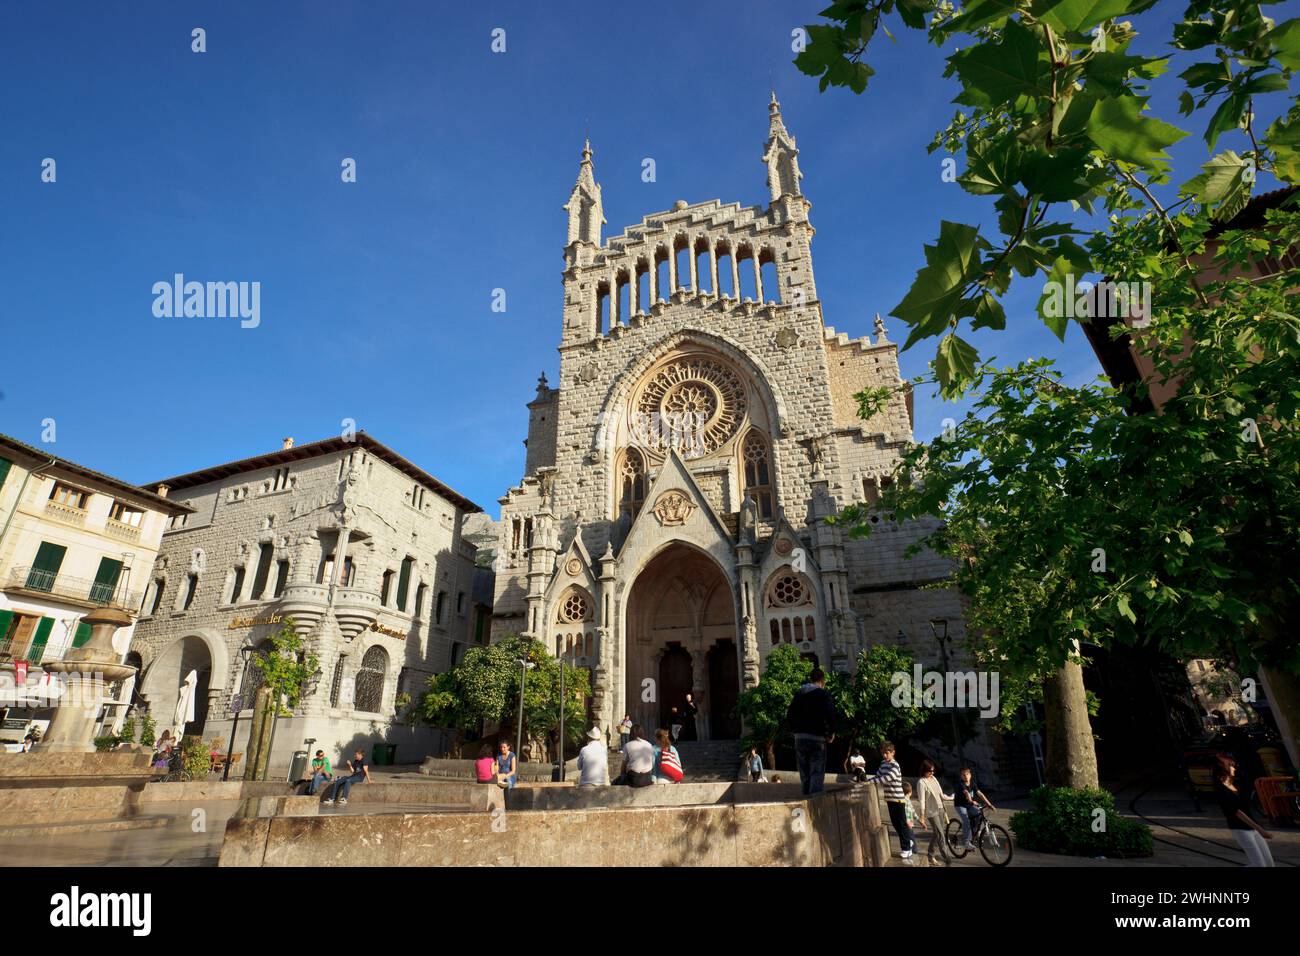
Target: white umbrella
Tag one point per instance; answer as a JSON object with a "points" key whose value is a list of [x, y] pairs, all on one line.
{"points": [[185, 703]]}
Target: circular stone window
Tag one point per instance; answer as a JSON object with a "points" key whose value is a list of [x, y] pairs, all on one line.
{"points": [[693, 405]]}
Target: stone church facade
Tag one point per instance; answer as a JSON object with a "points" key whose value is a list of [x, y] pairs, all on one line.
{"points": [[670, 528]]}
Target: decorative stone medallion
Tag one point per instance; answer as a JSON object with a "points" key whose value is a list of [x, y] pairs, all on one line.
{"points": [[787, 338], [673, 507], [574, 567], [784, 546], [589, 372]]}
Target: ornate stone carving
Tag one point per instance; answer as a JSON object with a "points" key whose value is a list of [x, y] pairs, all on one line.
{"points": [[787, 338], [693, 405], [673, 507], [573, 566]]}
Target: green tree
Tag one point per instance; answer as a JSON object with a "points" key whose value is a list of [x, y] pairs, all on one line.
{"points": [[763, 707], [866, 701], [285, 667], [1194, 526], [484, 688], [1054, 124]]}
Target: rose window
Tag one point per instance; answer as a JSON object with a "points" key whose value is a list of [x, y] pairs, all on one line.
{"points": [[574, 608], [692, 405], [789, 591]]}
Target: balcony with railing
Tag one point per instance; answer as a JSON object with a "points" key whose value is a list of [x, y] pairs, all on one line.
{"points": [[82, 592], [66, 513]]}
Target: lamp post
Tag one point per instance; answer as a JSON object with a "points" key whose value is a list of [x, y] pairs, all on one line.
{"points": [[941, 636], [561, 720], [524, 668], [236, 703]]}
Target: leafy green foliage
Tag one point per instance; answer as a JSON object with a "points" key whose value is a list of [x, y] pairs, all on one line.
{"points": [[764, 706], [865, 701], [484, 688], [127, 733], [1054, 122], [196, 756], [148, 731], [286, 667], [1079, 823]]}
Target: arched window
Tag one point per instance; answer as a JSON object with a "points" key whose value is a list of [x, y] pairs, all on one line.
{"points": [[790, 608], [631, 482], [370, 680], [576, 615], [756, 463]]}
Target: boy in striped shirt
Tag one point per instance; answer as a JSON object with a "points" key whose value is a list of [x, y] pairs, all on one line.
{"points": [[890, 776]]}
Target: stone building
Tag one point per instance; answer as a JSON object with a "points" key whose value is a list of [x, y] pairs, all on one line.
{"points": [[670, 528], [362, 548], [71, 540]]}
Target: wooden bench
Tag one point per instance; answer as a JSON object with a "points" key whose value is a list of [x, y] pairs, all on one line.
{"points": [[219, 762]]}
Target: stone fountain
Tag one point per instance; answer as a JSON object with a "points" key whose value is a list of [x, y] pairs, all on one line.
{"points": [[90, 669]]}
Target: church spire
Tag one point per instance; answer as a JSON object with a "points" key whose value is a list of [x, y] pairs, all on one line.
{"points": [[586, 214], [781, 155]]}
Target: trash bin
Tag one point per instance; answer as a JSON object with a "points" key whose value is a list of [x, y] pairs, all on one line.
{"points": [[384, 754], [298, 768]]}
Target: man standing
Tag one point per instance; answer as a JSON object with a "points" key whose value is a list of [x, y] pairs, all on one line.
{"points": [[593, 761], [689, 713], [812, 721]]}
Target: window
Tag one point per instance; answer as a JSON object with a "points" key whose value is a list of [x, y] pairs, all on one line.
{"points": [[758, 473], [281, 479], [386, 589], [420, 594], [67, 495], [45, 567], [790, 608], [460, 602], [281, 576], [265, 555], [104, 588], [369, 694], [417, 497], [442, 603], [159, 585], [191, 585], [23, 636], [480, 625], [125, 514], [237, 588], [404, 582], [336, 684], [631, 482]]}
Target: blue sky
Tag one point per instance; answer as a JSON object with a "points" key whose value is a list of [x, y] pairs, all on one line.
{"points": [[375, 296]]}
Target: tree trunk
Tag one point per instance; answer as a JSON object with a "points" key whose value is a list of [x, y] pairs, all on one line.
{"points": [[1071, 756], [771, 755], [259, 741]]}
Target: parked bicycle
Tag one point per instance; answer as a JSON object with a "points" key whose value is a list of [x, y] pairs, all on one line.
{"points": [[993, 841], [176, 772]]}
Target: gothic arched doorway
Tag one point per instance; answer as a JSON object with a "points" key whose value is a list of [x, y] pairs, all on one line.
{"points": [[724, 689], [680, 606]]}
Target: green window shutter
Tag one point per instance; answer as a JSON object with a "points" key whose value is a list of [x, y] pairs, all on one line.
{"points": [[6, 619], [45, 566], [106, 580], [40, 638], [403, 583], [82, 635], [4, 470]]}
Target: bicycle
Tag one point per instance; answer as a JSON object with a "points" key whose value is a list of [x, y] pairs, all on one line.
{"points": [[993, 841], [176, 772]]}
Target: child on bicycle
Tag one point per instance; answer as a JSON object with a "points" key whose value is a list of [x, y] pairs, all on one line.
{"points": [[967, 799]]}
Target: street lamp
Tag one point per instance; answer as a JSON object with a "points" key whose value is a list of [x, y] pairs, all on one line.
{"points": [[939, 628], [525, 667], [236, 703]]}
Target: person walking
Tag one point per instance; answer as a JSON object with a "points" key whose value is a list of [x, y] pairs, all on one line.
{"points": [[358, 772], [811, 719], [675, 724], [1235, 804], [754, 763], [638, 759], [624, 730], [933, 816], [890, 777], [593, 761]]}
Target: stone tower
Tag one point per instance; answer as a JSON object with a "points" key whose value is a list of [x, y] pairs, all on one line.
{"points": [[670, 529]]}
